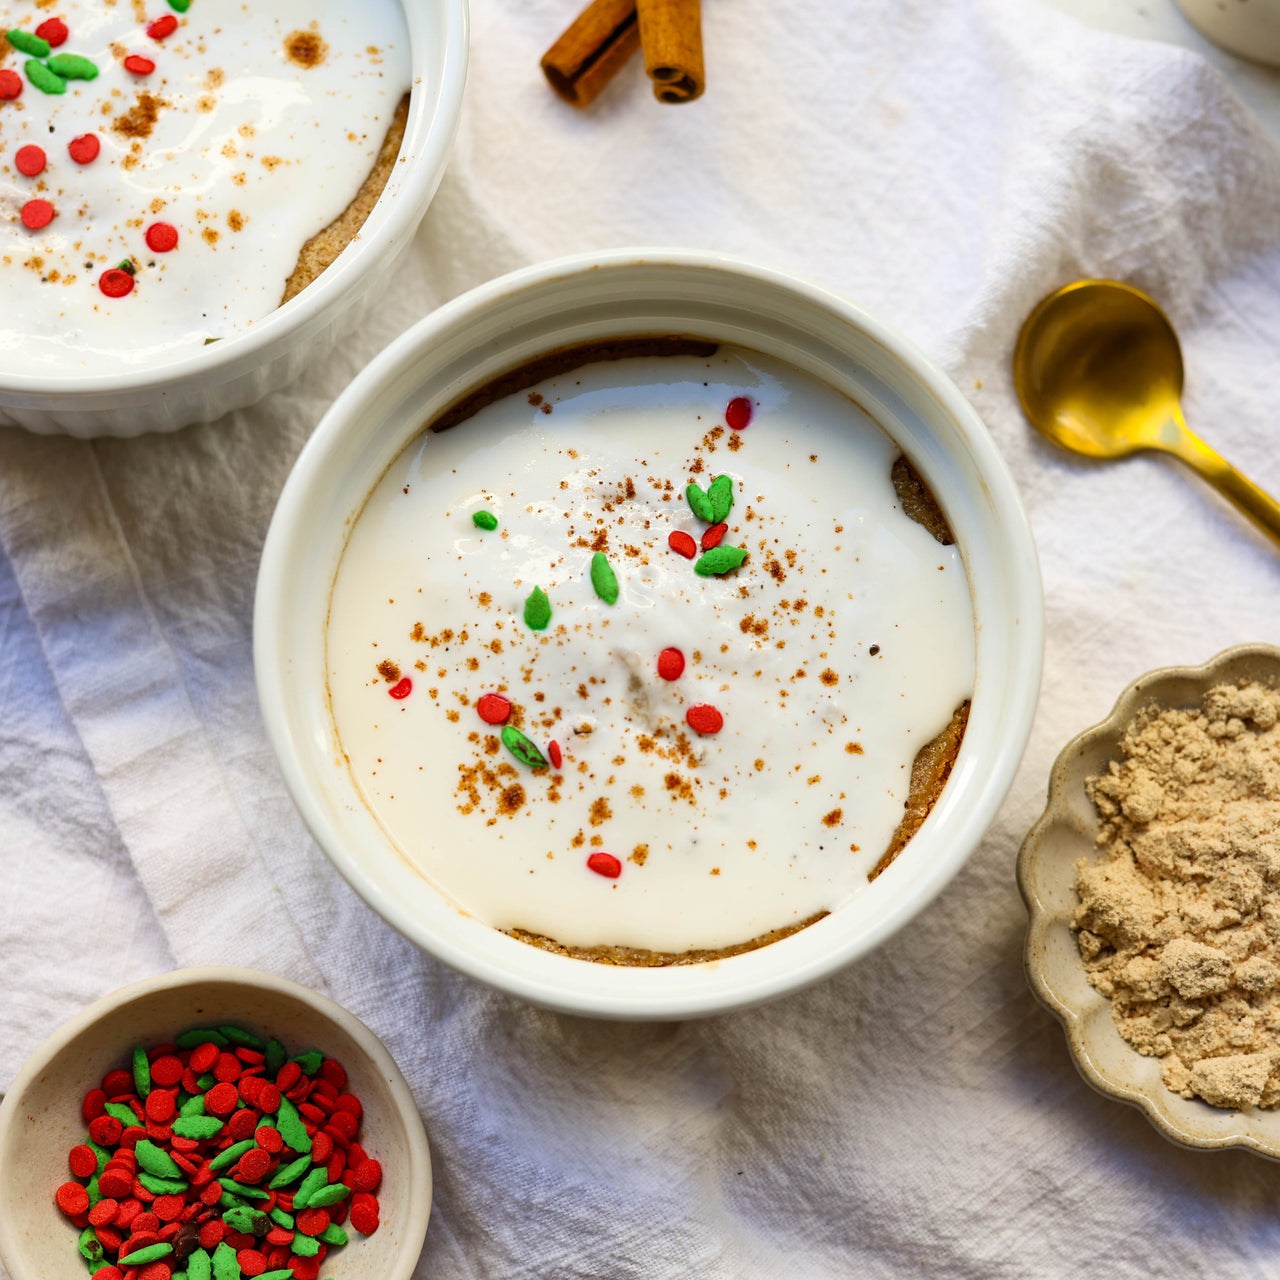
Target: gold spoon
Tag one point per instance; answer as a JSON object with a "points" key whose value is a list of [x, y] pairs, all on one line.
{"points": [[1099, 371]]}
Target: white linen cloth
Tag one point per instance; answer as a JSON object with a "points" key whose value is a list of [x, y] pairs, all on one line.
{"points": [[945, 163]]}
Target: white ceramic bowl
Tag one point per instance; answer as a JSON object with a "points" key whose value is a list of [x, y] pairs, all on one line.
{"points": [[242, 369], [1067, 832], [40, 1118], [502, 325]]}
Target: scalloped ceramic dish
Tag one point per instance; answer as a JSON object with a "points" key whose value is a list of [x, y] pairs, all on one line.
{"points": [[1065, 833], [40, 1117]]}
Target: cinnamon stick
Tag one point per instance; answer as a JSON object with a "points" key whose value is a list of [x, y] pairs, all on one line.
{"points": [[598, 41], [671, 35]]}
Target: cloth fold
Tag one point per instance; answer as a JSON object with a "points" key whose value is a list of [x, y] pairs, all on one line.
{"points": [[945, 163]]}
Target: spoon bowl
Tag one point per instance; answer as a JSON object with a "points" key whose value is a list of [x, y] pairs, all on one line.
{"points": [[1098, 370]]}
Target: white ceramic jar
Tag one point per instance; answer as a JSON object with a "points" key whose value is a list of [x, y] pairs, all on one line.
{"points": [[499, 327], [239, 370]]}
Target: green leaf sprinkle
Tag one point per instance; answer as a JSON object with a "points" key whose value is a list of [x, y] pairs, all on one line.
{"points": [[162, 1186], [290, 1127], [485, 520], [522, 748], [722, 559], [148, 1253], [309, 1061], [179, 6], [289, 1172], [141, 1072], [44, 79], [312, 1183], [24, 42], [537, 610], [198, 1267], [197, 1036], [305, 1246], [326, 1196], [238, 1035], [225, 1264], [156, 1160], [720, 492], [71, 66], [231, 1154], [198, 1127], [90, 1246], [699, 503], [275, 1055], [603, 578]]}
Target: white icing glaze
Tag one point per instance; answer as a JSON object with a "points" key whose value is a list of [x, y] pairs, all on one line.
{"points": [[742, 830], [247, 137]]}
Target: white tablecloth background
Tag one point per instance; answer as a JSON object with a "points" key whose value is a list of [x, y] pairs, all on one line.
{"points": [[945, 163]]}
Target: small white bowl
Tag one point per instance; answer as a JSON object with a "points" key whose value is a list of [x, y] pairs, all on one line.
{"points": [[241, 369], [40, 1118], [504, 324], [1067, 832]]}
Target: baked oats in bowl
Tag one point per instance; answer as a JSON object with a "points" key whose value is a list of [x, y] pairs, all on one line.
{"points": [[648, 633], [198, 199], [1152, 881]]}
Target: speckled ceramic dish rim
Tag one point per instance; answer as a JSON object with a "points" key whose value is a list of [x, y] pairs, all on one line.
{"points": [[1066, 832]]}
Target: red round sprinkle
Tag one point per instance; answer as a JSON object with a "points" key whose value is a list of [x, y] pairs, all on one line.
{"points": [[30, 160], [212, 1232], [714, 536], [369, 1172], [227, 1068], [737, 413], [553, 754], [269, 1139], [162, 237], [168, 1208], [85, 148], [334, 1073], [222, 1098], [311, 1222], [268, 1099], [105, 1130], [145, 1222], [203, 1057], [288, 1076], [84, 1164], [117, 1182], [117, 1082], [252, 1263], [115, 283], [54, 30], [166, 1071], [321, 1147], [309, 1268], [108, 1273], [349, 1103], [37, 214], [139, 65], [160, 1105], [104, 1212], [72, 1198], [253, 1166], [402, 688], [671, 664], [162, 27], [364, 1216], [603, 864], [94, 1107], [345, 1123], [493, 708], [10, 84], [159, 1270], [682, 544], [704, 718]]}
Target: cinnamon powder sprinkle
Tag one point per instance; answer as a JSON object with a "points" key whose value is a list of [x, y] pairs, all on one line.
{"points": [[305, 48]]}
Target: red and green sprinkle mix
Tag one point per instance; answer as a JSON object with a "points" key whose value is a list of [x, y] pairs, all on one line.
{"points": [[216, 1157]]}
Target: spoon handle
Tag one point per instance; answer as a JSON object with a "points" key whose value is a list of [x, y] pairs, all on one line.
{"points": [[1260, 507]]}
